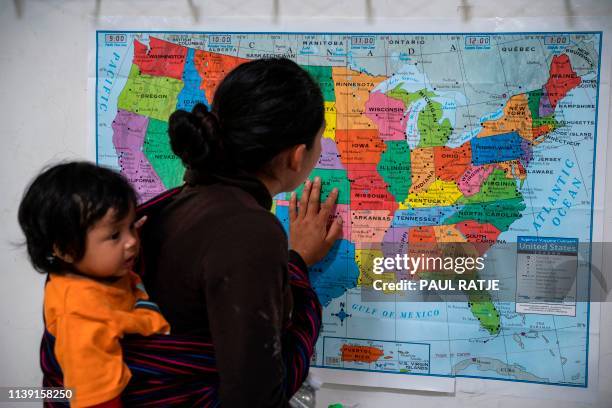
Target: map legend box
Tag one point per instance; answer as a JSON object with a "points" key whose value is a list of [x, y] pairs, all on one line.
{"points": [[546, 269]]}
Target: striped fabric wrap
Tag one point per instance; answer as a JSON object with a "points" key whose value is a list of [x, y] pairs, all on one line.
{"points": [[166, 371], [180, 370]]}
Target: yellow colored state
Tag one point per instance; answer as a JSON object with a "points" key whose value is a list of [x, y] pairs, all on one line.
{"points": [[439, 193], [403, 206], [448, 233], [330, 120], [365, 262]]}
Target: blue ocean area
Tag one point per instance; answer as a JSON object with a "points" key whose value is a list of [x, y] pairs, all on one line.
{"points": [[336, 273]]}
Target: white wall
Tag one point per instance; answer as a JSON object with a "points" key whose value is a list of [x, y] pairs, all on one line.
{"points": [[44, 111]]}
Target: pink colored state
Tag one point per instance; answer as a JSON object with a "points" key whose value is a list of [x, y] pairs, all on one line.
{"points": [[369, 226], [329, 155], [343, 211], [472, 179], [388, 114], [129, 132]]}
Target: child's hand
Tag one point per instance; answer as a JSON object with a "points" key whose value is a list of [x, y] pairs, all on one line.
{"points": [[309, 234]]}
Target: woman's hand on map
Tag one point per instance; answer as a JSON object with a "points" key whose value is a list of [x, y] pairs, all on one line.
{"points": [[311, 234]]}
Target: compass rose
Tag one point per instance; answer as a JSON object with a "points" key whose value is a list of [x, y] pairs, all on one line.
{"points": [[342, 315]]}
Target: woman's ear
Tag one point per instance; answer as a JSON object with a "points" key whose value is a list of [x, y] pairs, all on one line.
{"points": [[64, 257], [296, 157]]}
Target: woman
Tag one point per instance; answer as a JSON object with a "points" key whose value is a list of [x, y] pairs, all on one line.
{"points": [[244, 318], [217, 260]]}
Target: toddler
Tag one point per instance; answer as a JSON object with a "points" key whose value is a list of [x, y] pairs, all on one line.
{"points": [[80, 229]]}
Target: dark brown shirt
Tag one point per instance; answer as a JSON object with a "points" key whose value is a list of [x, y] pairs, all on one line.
{"points": [[216, 264]]}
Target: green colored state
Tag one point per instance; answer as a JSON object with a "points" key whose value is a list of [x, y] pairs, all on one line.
{"points": [[157, 149], [433, 133], [496, 187], [484, 310], [533, 101], [151, 96], [330, 178], [323, 75], [394, 168], [547, 120], [409, 97], [499, 213]]}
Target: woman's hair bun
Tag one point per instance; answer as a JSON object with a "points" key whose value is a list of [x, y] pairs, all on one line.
{"points": [[194, 135]]}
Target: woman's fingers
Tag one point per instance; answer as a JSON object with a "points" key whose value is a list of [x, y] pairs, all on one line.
{"points": [[328, 205], [314, 201], [304, 199], [293, 207], [310, 233]]}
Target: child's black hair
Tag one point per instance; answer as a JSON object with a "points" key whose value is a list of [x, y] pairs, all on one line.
{"points": [[259, 109], [62, 204]]}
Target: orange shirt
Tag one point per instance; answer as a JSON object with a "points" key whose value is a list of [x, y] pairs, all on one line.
{"points": [[87, 318]]}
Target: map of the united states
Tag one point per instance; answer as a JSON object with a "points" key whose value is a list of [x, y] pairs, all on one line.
{"points": [[416, 160]]}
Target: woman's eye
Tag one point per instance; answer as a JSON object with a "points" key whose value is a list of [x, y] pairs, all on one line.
{"points": [[115, 235]]}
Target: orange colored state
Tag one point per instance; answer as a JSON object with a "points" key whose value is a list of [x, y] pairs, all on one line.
{"points": [[517, 118], [451, 163], [423, 169], [359, 146], [448, 233], [363, 354], [513, 169], [212, 68], [422, 234], [352, 91]]}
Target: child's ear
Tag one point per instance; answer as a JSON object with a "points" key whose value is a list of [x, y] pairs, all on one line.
{"points": [[64, 257], [296, 157]]}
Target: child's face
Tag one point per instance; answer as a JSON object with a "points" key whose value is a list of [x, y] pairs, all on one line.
{"points": [[111, 247]]}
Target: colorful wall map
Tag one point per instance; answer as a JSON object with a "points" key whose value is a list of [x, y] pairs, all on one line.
{"points": [[431, 138]]}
